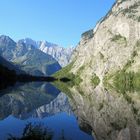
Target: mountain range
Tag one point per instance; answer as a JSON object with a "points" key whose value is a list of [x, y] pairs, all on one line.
{"points": [[27, 57], [34, 57], [61, 54]]}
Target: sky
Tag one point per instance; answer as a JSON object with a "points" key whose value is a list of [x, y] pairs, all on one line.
{"points": [[58, 21]]}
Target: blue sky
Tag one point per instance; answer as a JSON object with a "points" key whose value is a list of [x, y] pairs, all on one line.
{"points": [[57, 21]]}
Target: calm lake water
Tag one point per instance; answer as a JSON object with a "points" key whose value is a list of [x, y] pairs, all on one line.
{"points": [[38, 103]]}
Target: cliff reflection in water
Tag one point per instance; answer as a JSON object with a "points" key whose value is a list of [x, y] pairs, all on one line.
{"points": [[107, 114], [104, 113]]}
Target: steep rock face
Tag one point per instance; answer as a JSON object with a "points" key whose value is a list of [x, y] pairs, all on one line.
{"points": [[111, 44], [62, 55], [27, 57]]}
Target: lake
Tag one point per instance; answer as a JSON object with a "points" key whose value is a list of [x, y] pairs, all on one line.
{"points": [[41, 104], [71, 112]]}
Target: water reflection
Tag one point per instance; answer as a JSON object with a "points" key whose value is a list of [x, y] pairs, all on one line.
{"points": [[38, 103], [58, 105], [24, 98], [108, 114]]}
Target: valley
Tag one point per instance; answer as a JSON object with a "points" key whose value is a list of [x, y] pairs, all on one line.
{"points": [[87, 92]]}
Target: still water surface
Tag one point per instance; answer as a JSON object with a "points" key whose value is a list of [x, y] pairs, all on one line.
{"points": [[40, 103]]}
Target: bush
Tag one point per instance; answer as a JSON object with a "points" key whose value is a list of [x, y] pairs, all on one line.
{"points": [[95, 80], [65, 72], [118, 38]]}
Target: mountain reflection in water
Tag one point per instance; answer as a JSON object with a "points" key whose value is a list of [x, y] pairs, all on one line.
{"points": [[110, 115], [38, 103]]}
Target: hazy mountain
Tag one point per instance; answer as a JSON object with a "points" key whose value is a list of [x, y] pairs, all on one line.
{"points": [[29, 42], [27, 56], [62, 55]]}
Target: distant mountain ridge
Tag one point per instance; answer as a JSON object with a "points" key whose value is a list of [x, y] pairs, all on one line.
{"points": [[61, 54], [29, 58]]}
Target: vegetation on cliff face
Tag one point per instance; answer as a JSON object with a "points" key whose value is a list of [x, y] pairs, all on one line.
{"points": [[95, 80], [127, 81], [132, 11], [65, 73], [119, 39]]}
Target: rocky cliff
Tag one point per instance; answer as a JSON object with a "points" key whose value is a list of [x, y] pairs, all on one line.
{"points": [[114, 44]]}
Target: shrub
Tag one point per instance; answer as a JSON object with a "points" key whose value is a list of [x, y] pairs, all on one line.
{"points": [[95, 80], [65, 72], [119, 39]]}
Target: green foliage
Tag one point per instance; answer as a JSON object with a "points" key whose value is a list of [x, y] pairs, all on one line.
{"points": [[106, 79], [132, 11], [126, 81], [65, 72], [132, 8], [95, 80], [138, 43], [128, 64], [119, 39], [123, 81], [64, 87]]}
